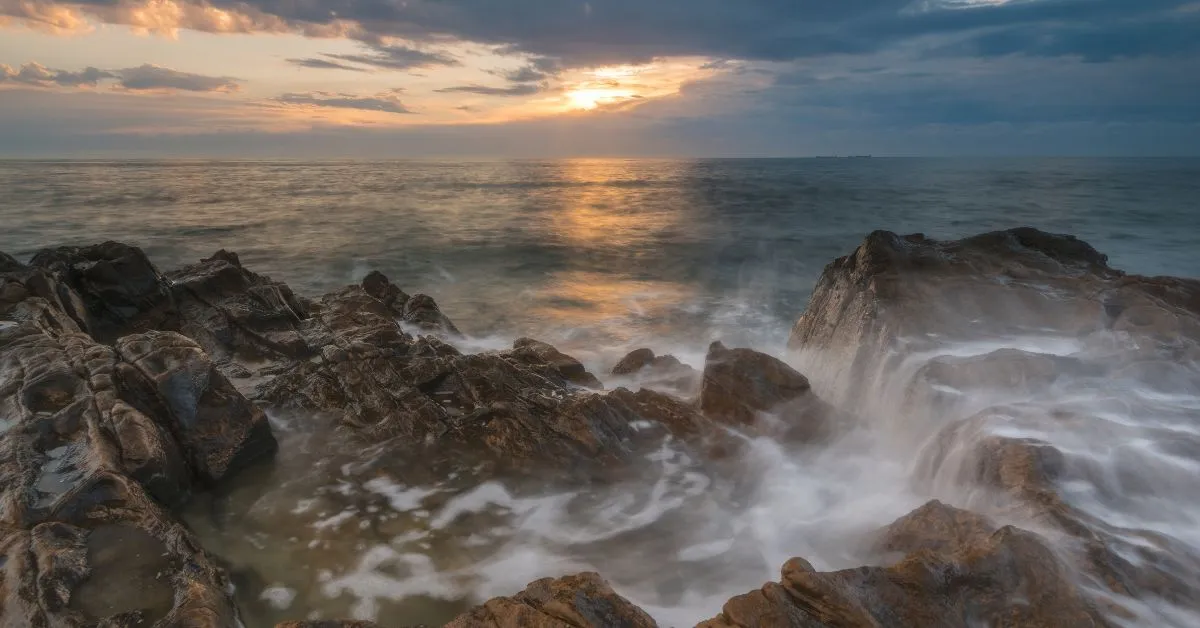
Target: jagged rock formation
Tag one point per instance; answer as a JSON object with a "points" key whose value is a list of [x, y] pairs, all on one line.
{"points": [[125, 390], [658, 372], [570, 602], [98, 442], [958, 570], [898, 296]]}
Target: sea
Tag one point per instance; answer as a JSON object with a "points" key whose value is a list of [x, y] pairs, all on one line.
{"points": [[599, 257]]}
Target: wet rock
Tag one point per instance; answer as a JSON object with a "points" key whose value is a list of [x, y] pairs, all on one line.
{"points": [[9, 263], [236, 314], [633, 362], [120, 289], [97, 440], [422, 312], [971, 575], [664, 371], [1029, 472], [935, 527], [741, 385], [219, 429], [578, 601], [537, 352], [380, 287], [328, 623], [899, 294]]}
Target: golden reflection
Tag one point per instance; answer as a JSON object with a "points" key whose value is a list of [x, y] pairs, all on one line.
{"points": [[604, 204], [586, 299]]}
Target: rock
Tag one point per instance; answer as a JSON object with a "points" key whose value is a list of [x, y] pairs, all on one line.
{"points": [[235, 314], [519, 409], [578, 601], [934, 527], [740, 385], [1029, 471], [946, 380], [94, 441], [422, 312], [120, 289], [899, 294], [325, 623], [379, 286], [633, 362], [665, 371], [970, 576], [220, 430], [537, 352], [9, 263]]}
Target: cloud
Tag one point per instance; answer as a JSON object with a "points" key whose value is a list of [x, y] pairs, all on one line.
{"points": [[323, 64], [149, 77], [522, 89], [386, 102], [625, 31], [146, 77], [397, 57], [39, 75]]}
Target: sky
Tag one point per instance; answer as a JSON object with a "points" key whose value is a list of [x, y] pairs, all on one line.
{"points": [[566, 78]]}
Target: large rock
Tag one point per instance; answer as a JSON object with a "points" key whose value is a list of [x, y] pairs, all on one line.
{"points": [[235, 314], [663, 372], [740, 386], [97, 441], [519, 409], [959, 570], [899, 294], [219, 429], [120, 289], [536, 352], [579, 601]]}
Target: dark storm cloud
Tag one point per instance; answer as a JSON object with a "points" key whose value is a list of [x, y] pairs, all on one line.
{"points": [[520, 89], [149, 77], [387, 102]]}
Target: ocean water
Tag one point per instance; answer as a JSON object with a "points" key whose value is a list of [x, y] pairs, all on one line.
{"points": [[599, 257]]}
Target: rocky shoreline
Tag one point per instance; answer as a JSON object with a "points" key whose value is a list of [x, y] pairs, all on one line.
{"points": [[126, 391]]}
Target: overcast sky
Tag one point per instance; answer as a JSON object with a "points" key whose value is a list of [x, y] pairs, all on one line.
{"points": [[530, 78]]}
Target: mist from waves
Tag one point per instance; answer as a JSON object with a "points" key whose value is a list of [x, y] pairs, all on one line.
{"points": [[329, 532]]}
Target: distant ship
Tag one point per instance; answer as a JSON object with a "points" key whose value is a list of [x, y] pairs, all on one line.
{"points": [[841, 157]]}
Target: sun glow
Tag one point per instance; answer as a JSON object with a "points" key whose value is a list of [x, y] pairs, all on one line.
{"points": [[590, 98]]}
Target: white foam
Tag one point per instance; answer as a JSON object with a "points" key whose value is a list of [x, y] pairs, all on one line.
{"points": [[401, 499]]}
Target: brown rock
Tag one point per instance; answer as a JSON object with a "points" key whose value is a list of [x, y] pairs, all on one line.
{"points": [[219, 429], [537, 352], [664, 371], [120, 289], [233, 313], [379, 286], [327, 623], [973, 576], [423, 312], [741, 384], [579, 601], [633, 362], [94, 439]]}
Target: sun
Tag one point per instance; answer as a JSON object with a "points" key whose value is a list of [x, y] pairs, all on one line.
{"points": [[590, 98]]}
